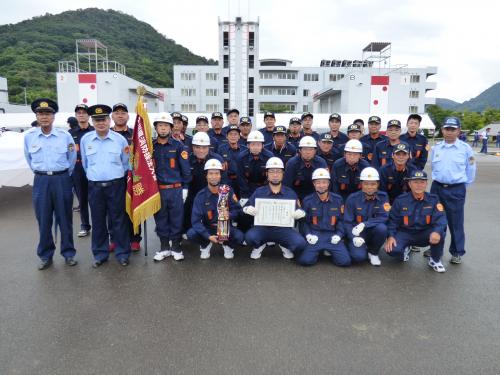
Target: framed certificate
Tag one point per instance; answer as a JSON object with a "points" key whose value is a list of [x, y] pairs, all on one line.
{"points": [[274, 212]]}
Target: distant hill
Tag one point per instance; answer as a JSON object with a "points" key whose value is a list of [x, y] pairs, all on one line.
{"points": [[489, 98], [30, 50], [446, 103]]}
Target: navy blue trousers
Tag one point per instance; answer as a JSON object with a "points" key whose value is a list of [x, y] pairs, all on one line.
{"points": [[286, 237], [484, 147], [169, 219], [53, 195], [374, 238], [339, 254], [81, 185], [453, 199], [236, 237], [404, 239], [109, 202]]}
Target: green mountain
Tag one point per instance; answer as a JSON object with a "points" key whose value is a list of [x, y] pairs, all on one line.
{"points": [[489, 98], [446, 103], [31, 49]]}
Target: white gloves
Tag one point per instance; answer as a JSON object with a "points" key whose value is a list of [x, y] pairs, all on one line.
{"points": [[184, 195], [298, 214], [243, 201], [356, 231], [335, 239], [358, 241], [312, 239], [250, 210]]}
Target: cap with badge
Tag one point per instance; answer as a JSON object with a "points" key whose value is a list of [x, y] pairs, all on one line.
{"points": [[269, 114], [394, 123], [233, 110], [375, 119], [185, 119], [99, 110], [359, 121], [85, 107], [217, 115], [403, 147], [354, 128], [233, 127], [279, 129], [307, 114], [245, 120], [176, 115], [417, 175], [295, 120], [44, 105], [335, 116], [121, 106], [202, 118], [451, 122], [326, 137]]}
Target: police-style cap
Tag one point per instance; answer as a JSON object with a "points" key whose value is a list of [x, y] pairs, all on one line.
{"points": [[245, 120], [44, 105], [233, 110], [358, 121], [451, 122], [394, 123], [269, 114], [202, 118], [118, 106], [217, 115], [305, 114], [401, 147], [72, 122], [185, 119], [82, 106], [375, 119], [335, 116], [295, 120], [280, 129], [354, 128], [99, 110], [176, 115], [232, 127], [417, 175], [326, 137]]}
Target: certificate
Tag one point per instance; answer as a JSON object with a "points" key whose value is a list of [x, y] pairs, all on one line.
{"points": [[274, 212]]}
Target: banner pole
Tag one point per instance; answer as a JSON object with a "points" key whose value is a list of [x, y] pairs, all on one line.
{"points": [[145, 238]]}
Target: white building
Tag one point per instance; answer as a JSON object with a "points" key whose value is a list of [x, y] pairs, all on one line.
{"points": [[5, 106]]}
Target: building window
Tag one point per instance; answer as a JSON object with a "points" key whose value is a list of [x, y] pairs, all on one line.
{"points": [[226, 39], [306, 93], [188, 107], [413, 109], [305, 108], [266, 91], [250, 85], [285, 75], [414, 94], [285, 91], [250, 107], [266, 75], [188, 92], [212, 107], [251, 39], [211, 92], [288, 107], [251, 61], [226, 105], [311, 77], [211, 76], [226, 61], [414, 78], [336, 77], [188, 76], [226, 85]]}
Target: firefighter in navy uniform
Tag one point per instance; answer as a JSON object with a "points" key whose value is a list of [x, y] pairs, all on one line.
{"points": [[382, 154], [229, 151], [394, 177], [232, 117], [178, 130], [80, 182], [268, 130], [346, 171], [354, 132], [202, 126], [279, 146], [173, 175], [288, 239], [187, 138], [323, 225], [245, 129], [334, 123], [374, 136], [365, 218], [327, 151], [417, 218], [419, 145], [217, 122], [295, 131], [205, 215], [299, 169], [307, 123]]}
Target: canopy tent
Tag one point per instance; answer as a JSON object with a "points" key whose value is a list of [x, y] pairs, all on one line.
{"points": [[14, 171]]}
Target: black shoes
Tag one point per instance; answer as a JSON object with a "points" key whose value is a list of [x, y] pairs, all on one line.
{"points": [[98, 263], [70, 261], [124, 262], [44, 264]]}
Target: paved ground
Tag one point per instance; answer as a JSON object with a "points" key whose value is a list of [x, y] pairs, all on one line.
{"points": [[250, 317]]}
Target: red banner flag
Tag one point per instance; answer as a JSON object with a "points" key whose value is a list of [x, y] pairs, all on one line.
{"points": [[143, 197]]}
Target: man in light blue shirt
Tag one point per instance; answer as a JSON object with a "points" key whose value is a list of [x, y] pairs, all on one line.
{"points": [[453, 169], [51, 154], [105, 157]]}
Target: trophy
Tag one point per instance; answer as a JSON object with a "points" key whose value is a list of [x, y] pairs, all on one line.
{"points": [[223, 224]]}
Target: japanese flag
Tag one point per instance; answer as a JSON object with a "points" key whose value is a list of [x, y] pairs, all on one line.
{"points": [[379, 95], [87, 89]]}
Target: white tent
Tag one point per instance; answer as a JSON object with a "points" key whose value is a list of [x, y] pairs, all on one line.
{"points": [[14, 171]]}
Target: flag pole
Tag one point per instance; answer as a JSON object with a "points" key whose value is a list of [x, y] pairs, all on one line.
{"points": [[146, 238]]}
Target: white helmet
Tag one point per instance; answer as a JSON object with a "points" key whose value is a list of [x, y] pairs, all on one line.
{"points": [[255, 136], [275, 162], [320, 173], [369, 174], [307, 141], [353, 145], [213, 164], [163, 117], [201, 139]]}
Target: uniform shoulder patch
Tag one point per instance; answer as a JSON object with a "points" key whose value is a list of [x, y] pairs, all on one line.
{"points": [[427, 147], [472, 160], [387, 207], [184, 155], [342, 209], [71, 147], [439, 207], [126, 149]]}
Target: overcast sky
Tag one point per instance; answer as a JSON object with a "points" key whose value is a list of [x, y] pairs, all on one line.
{"points": [[463, 41]]}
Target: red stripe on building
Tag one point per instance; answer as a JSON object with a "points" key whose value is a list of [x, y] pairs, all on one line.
{"points": [[87, 78], [380, 80]]}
